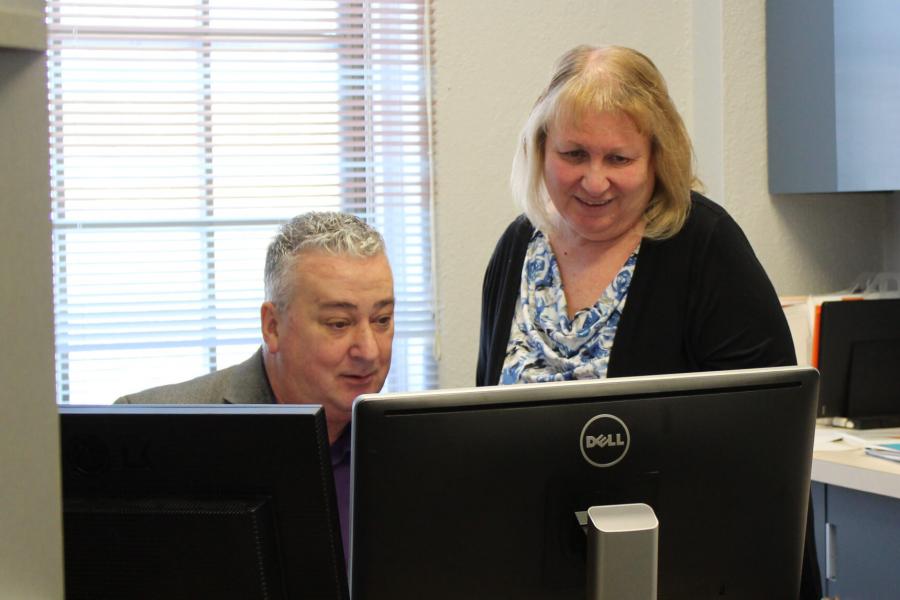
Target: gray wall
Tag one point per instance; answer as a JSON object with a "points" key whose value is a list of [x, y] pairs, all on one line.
{"points": [[30, 525], [892, 238]]}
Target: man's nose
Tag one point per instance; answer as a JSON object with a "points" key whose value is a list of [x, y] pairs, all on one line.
{"points": [[365, 346]]}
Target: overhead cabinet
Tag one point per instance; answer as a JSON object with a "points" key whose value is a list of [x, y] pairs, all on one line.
{"points": [[833, 88]]}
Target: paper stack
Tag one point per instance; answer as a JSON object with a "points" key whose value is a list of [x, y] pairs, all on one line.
{"points": [[888, 451], [883, 443]]}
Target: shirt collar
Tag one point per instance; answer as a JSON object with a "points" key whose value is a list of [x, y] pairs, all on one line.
{"points": [[340, 449]]}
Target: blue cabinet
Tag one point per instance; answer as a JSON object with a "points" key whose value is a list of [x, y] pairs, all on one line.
{"points": [[858, 542], [833, 88]]}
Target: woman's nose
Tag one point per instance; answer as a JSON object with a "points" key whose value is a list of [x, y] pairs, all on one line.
{"points": [[595, 180]]}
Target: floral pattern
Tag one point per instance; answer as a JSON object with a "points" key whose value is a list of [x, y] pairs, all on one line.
{"points": [[544, 344]]}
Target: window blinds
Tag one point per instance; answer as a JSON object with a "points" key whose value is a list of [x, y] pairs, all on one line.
{"points": [[183, 132]]}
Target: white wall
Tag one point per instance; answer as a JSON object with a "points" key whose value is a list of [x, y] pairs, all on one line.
{"points": [[809, 243], [491, 61], [30, 523], [493, 58]]}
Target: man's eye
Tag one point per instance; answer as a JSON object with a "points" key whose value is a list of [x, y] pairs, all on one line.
{"points": [[338, 324], [384, 320]]}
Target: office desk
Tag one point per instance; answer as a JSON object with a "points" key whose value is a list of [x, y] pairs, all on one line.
{"points": [[856, 500]]}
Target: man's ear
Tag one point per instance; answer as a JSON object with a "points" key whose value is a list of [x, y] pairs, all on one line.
{"points": [[269, 319]]}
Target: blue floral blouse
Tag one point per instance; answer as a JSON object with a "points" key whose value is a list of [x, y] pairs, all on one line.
{"points": [[544, 344]]}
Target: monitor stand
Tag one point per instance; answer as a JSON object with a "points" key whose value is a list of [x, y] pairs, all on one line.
{"points": [[622, 549]]}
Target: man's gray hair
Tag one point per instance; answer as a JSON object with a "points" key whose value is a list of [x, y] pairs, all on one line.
{"points": [[335, 233]]}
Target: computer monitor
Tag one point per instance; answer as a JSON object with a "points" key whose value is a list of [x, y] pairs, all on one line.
{"points": [[859, 359], [184, 502], [471, 493]]}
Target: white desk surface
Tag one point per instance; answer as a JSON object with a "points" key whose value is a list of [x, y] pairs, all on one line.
{"points": [[847, 465]]}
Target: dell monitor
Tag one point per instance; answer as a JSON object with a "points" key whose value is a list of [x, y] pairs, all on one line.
{"points": [[184, 502], [473, 492]]}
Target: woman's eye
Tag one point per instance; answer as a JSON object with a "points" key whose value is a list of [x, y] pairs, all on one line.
{"points": [[618, 159], [573, 154]]}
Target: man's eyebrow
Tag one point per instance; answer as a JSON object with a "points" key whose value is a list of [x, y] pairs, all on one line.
{"points": [[338, 304], [351, 306]]}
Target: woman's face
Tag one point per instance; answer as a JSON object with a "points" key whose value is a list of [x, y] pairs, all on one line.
{"points": [[600, 177]]}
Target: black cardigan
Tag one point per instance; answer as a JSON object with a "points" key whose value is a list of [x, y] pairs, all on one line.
{"points": [[698, 301]]}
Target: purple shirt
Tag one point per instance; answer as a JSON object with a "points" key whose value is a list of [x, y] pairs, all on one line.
{"points": [[340, 467]]}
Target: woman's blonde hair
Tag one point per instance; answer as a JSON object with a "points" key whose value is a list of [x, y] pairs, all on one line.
{"points": [[590, 79]]}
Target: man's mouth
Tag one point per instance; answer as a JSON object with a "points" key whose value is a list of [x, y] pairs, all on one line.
{"points": [[359, 379]]}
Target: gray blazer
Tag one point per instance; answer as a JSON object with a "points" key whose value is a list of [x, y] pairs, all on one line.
{"points": [[245, 383]]}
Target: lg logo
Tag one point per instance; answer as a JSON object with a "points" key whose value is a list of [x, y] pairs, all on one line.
{"points": [[604, 440]]}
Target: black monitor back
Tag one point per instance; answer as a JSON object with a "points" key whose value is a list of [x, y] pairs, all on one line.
{"points": [[471, 493], [859, 359], [186, 502]]}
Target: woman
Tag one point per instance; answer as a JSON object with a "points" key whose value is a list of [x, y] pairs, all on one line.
{"points": [[617, 267]]}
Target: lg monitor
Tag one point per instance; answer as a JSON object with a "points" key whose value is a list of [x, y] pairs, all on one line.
{"points": [[185, 502], [859, 359], [472, 493]]}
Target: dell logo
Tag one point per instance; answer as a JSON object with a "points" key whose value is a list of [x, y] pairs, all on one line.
{"points": [[604, 440]]}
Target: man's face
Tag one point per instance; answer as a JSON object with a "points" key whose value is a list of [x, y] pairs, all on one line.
{"points": [[333, 342]]}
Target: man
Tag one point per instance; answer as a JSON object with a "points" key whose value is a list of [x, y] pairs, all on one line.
{"points": [[327, 327]]}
